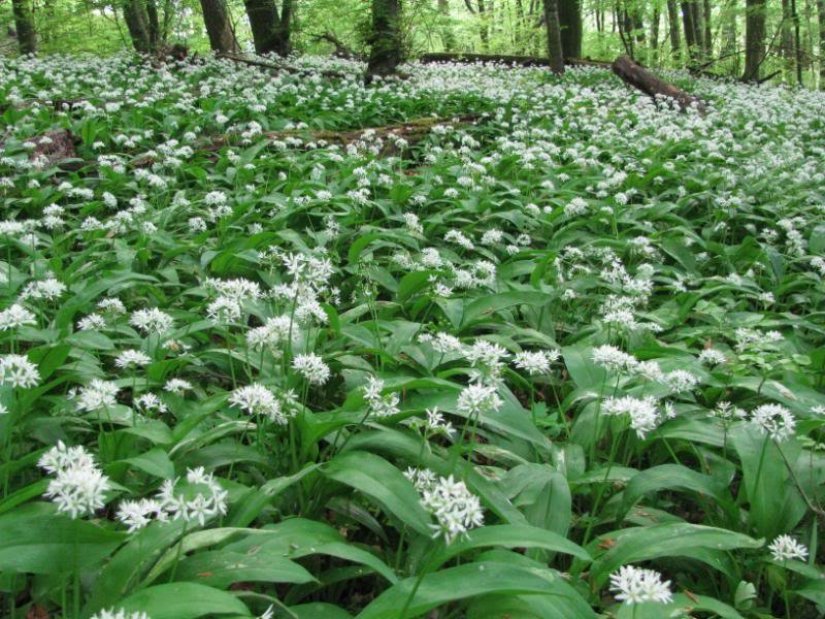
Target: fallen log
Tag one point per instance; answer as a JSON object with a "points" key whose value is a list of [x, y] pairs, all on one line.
{"points": [[282, 67], [521, 61], [386, 137], [642, 79]]}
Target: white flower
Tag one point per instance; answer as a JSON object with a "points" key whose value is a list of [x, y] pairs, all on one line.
{"points": [[643, 412], [680, 381], [92, 322], [255, 399], [132, 359], [79, 487], [380, 405], [455, 508], [151, 321], [312, 368], [177, 386], [18, 371], [535, 362], [16, 316], [635, 585], [775, 420], [96, 395], [200, 500], [611, 358], [224, 310], [712, 356], [478, 398], [137, 514], [275, 331], [785, 548], [120, 614], [150, 402], [48, 289]]}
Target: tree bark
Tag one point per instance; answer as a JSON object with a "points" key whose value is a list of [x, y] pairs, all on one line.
{"points": [[654, 35], [708, 35], [797, 43], [218, 27], [652, 85], [137, 21], [554, 37], [690, 29], [673, 21], [270, 31], [570, 26], [820, 6], [447, 35], [24, 24], [386, 50], [754, 38]]}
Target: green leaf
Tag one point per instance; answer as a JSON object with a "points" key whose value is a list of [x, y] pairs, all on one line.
{"points": [[381, 481], [667, 540], [458, 583], [184, 600], [155, 462], [36, 540], [222, 568], [511, 536], [674, 477], [493, 303]]}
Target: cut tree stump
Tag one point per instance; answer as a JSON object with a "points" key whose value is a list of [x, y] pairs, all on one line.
{"points": [[642, 79]]}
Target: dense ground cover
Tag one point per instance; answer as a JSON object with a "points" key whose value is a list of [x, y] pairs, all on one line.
{"points": [[249, 370]]}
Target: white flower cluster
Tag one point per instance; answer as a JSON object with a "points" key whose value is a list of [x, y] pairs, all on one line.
{"points": [[786, 548], [312, 368], [636, 585], [18, 371], [200, 499], [120, 614], [774, 420], [79, 487], [455, 508], [380, 405], [644, 413], [256, 399]]}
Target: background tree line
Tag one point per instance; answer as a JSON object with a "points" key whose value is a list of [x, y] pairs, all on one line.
{"points": [[750, 39]]}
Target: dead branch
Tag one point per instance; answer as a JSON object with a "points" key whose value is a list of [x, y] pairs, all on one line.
{"points": [[642, 79]]}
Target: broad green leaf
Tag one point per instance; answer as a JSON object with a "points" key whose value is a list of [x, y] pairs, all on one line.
{"points": [[222, 568], [184, 600]]}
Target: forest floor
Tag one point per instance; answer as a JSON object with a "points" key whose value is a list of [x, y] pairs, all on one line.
{"points": [[481, 342]]}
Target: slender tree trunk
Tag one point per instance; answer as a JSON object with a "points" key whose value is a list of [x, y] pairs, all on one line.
{"points": [[708, 38], [270, 31], [820, 7], [386, 51], [698, 27], [654, 36], [730, 37], [446, 30], [690, 29], [570, 25], [797, 43], [24, 24], [218, 27], [754, 38], [787, 39], [673, 22], [154, 24], [137, 21], [554, 37]]}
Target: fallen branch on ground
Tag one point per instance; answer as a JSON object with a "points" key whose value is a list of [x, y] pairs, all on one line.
{"points": [[522, 61], [654, 86], [385, 137], [282, 67]]}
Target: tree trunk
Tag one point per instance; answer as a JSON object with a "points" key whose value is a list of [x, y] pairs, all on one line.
{"points": [[570, 25], [698, 27], [555, 50], [690, 29], [154, 24], [787, 39], [754, 38], [653, 86], [820, 6], [386, 51], [24, 23], [708, 38], [447, 36], [218, 27], [654, 36], [797, 43], [673, 21], [270, 32], [137, 21]]}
